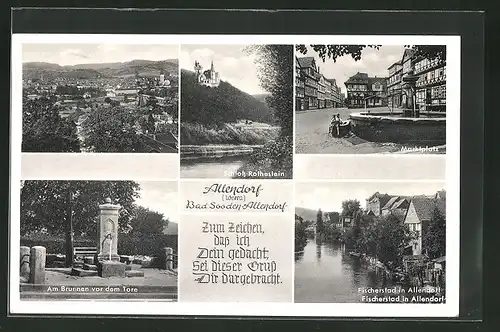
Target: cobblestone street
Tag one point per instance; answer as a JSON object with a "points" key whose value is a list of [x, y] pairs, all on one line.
{"points": [[311, 134]]}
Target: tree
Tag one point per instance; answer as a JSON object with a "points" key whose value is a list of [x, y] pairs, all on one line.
{"points": [[146, 221], [44, 204], [72, 207], [275, 73], [392, 237], [300, 233], [111, 129], [355, 51], [335, 51], [350, 207], [320, 227], [434, 238], [45, 131], [430, 52]]}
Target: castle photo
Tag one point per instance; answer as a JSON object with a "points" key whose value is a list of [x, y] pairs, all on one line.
{"points": [[234, 108]]}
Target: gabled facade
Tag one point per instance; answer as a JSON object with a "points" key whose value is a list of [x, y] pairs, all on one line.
{"points": [[430, 92], [311, 76], [420, 212], [364, 91]]}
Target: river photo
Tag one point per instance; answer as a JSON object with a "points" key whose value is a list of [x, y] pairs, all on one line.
{"points": [[325, 273]]}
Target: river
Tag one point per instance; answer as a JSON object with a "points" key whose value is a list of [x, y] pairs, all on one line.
{"points": [[211, 169], [324, 273]]}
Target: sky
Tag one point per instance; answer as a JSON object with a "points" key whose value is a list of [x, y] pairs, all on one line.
{"points": [[329, 195], [72, 54], [373, 62], [160, 196], [233, 64]]}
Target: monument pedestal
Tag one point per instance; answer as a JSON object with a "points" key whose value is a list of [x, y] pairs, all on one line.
{"points": [[109, 269]]}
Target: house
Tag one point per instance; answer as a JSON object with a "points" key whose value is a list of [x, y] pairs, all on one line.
{"points": [[365, 91], [396, 206], [376, 202], [418, 216], [311, 76], [377, 92]]}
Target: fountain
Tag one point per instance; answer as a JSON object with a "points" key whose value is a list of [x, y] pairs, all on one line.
{"points": [[109, 264], [407, 128]]}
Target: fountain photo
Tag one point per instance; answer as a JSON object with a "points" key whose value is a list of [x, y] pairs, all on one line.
{"points": [[98, 240], [100, 98], [367, 99], [236, 111], [370, 242]]}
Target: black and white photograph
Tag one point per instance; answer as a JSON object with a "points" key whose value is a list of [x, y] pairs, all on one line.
{"points": [[370, 242], [104, 97], [89, 240], [236, 111], [366, 99]]}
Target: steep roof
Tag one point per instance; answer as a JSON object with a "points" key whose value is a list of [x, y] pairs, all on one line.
{"points": [[332, 80], [407, 54], [357, 78], [376, 194], [382, 80], [394, 64], [390, 203], [306, 62], [441, 194], [424, 207]]}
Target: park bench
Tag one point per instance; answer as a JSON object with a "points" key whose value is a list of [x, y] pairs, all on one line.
{"points": [[84, 252]]}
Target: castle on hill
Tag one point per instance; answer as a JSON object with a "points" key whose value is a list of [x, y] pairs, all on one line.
{"points": [[209, 77]]}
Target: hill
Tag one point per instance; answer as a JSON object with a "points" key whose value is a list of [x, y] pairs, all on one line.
{"points": [[91, 70], [216, 106], [306, 214], [261, 97]]}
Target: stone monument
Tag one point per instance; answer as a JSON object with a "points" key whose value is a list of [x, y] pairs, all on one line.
{"points": [[108, 259], [108, 232]]}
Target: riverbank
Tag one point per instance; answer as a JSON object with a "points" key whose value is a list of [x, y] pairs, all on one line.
{"points": [[239, 133]]}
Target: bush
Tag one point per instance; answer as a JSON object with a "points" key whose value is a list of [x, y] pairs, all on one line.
{"points": [[54, 244], [128, 244], [276, 156], [146, 244]]}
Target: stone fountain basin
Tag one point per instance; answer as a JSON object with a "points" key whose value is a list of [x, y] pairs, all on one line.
{"points": [[387, 128]]}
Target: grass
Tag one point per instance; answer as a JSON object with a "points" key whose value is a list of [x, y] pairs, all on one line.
{"points": [[254, 134], [275, 156]]}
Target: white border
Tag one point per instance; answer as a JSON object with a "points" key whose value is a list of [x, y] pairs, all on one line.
{"points": [[449, 309]]}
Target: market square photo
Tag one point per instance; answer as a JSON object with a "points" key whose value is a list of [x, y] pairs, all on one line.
{"points": [[100, 98], [365, 99]]}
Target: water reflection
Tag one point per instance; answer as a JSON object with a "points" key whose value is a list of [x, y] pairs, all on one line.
{"points": [[215, 168], [325, 272]]}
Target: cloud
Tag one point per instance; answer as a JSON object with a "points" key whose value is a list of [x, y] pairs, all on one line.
{"points": [[74, 53], [234, 65]]}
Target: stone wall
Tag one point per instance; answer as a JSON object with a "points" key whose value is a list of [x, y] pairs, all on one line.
{"points": [[385, 129]]}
